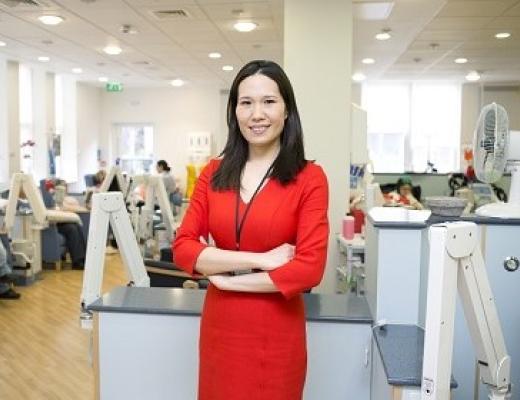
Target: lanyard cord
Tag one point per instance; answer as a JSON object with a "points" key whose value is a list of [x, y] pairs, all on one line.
{"points": [[239, 224]]}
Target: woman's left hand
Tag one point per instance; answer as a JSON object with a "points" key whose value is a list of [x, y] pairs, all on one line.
{"points": [[220, 281]]}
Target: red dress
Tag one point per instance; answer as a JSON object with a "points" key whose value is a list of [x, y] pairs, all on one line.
{"points": [[252, 345]]}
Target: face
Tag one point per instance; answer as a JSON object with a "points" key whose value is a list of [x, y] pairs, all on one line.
{"points": [[405, 190], [158, 168], [260, 111]]}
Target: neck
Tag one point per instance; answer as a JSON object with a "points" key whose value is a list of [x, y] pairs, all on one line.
{"points": [[264, 153]]}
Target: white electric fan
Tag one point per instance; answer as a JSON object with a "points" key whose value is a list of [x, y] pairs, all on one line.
{"points": [[496, 150]]}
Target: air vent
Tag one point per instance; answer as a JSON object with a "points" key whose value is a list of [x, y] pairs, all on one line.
{"points": [[23, 3], [373, 11], [171, 14]]}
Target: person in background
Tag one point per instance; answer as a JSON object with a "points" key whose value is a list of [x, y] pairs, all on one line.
{"points": [[172, 189], [403, 194], [164, 169], [99, 177], [6, 290], [265, 206]]}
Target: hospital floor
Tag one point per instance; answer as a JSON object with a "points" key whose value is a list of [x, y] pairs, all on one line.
{"points": [[44, 354]]}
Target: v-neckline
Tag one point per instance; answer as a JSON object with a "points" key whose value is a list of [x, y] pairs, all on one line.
{"points": [[258, 194]]}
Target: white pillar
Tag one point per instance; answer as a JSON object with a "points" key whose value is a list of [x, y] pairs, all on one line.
{"points": [[40, 125], [13, 116], [4, 136], [317, 59]]}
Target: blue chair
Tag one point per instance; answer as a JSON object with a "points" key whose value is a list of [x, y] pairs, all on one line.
{"points": [[89, 180]]}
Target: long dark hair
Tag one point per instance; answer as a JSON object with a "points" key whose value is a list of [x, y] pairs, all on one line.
{"points": [[290, 159], [164, 165]]}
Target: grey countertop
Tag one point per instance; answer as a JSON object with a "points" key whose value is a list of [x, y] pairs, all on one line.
{"points": [[436, 219], [176, 301], [401, 348]]}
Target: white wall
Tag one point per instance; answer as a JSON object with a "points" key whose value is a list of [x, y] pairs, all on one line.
{"points": [[88, 106], [507, 96], [13, 116], [174, 113]]}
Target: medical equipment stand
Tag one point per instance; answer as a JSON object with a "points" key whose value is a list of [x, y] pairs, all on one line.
{"points": [[456, 263], [109, 208]]}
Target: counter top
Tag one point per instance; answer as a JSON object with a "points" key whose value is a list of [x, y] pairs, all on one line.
{"points": [[177, 301], [401, 348], [436, 219]]}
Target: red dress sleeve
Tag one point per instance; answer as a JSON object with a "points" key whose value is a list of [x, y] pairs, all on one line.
{"points": [[187, 245], [306, 269]]}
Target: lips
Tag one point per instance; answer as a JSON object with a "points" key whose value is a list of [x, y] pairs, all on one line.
{"points": [[258, 129]]}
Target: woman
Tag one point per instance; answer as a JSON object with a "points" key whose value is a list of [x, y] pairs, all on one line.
{"points": [[265, 207], [403, 194], [164, 169]]}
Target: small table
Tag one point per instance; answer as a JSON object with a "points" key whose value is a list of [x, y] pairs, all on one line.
{"points": [[351, 273]]}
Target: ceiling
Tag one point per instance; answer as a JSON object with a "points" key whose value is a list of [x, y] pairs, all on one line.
{"points": [[427, 35]]}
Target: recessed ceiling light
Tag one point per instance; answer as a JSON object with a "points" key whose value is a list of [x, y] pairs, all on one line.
{"points": [[473, 76], [358, 77], [461, 60], [51, 19], [384, 34], [113, 50], [214, 55], [227, 68], [177, 82], [3, 44], [503, 35], [368, 61], [103, 79], [43, 59], [77, 70], [245, 26]]}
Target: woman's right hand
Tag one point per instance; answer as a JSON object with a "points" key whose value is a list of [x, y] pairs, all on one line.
{"points": [[277, 257]]}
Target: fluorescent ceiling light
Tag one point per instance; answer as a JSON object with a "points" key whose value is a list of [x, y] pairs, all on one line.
{"points": [[503, 35], [358, 77], [43, 59], [177, 82], [77, 70], [227, 68], [113, 50], [383, 36], [245, 26], [473, 76], [103, 79], [3, 44], [51, 19], [368, 61], [214, 55], [461, 60]]}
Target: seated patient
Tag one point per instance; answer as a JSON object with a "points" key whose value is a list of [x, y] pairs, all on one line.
{"points": [[6, 289], [75, 240], [403, 194]]}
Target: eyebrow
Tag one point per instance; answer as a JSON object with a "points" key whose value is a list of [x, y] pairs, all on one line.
{"points": [[269, 96]]}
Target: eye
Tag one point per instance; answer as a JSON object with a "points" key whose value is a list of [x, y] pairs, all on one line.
{"points": [[244, 102], [270, 101]]}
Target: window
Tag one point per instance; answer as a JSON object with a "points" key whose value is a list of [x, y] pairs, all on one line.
{"points": [[413, 124], [135, 148]]}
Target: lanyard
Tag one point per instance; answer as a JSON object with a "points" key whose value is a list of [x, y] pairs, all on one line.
{"points": [[239, 224]]}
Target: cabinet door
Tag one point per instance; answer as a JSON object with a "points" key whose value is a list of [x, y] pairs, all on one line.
{"points": [[339, 364]]}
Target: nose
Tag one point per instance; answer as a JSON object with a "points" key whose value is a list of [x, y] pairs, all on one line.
{"points": [[258, 112]]}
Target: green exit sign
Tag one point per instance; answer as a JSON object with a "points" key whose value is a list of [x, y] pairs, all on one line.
{"points": [[114, 87]]}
